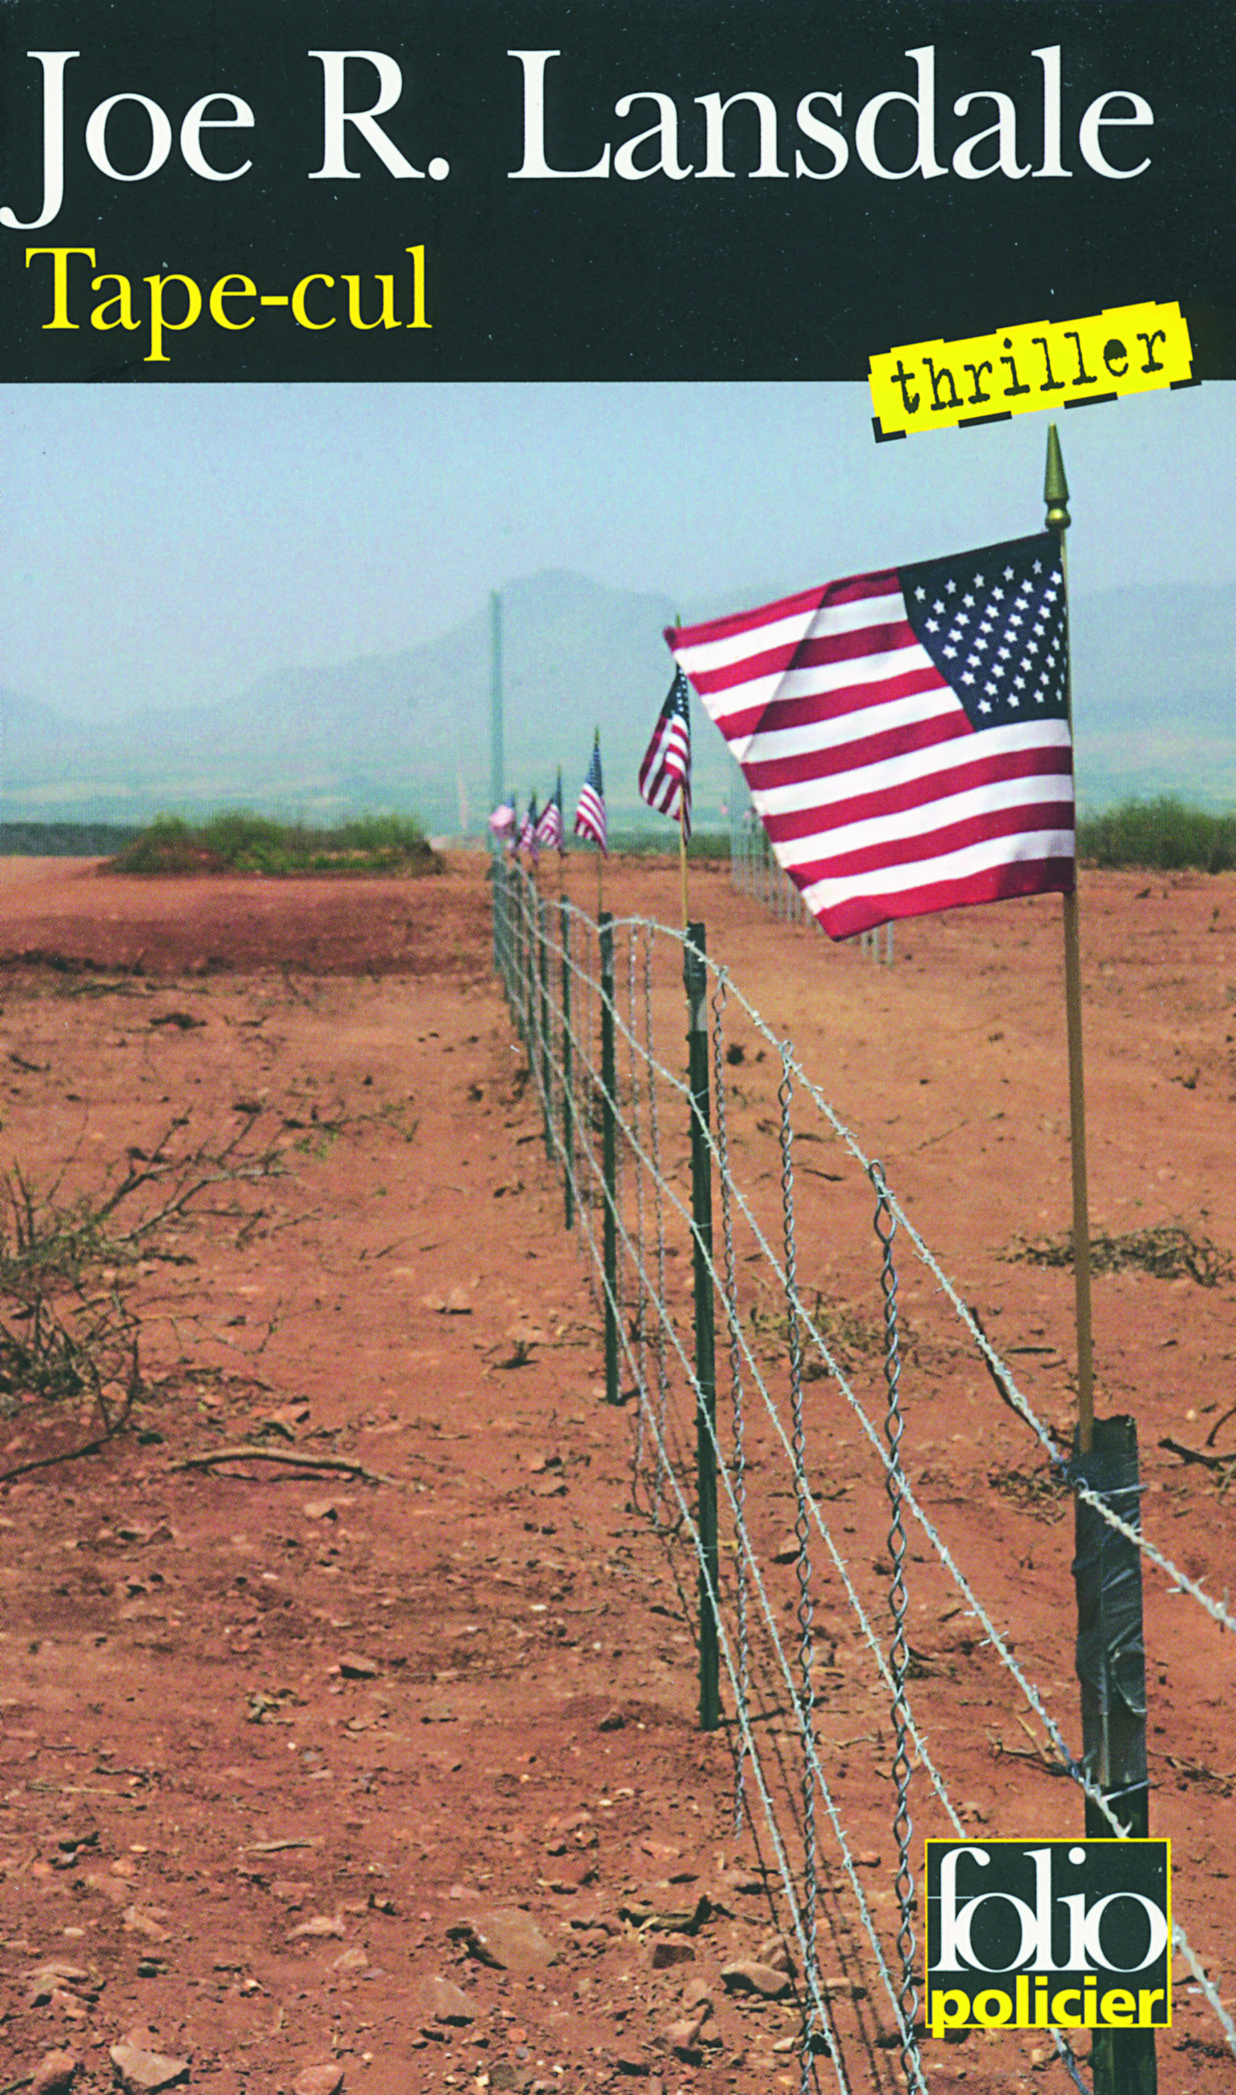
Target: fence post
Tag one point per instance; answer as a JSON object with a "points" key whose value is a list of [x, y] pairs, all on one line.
{"points": [[1111, 1666], [546, 1059], [517, 950], [609, 1157], [568, 1102], [695, 979]]}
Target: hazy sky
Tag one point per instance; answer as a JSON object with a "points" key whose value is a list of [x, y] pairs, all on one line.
{"points": [[166, 544]]}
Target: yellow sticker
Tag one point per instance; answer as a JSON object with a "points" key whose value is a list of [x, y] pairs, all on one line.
{"points": [[1018, 370]]}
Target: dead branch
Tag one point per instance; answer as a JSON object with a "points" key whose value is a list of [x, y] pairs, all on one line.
{"points": [[49, 1461], [247, 1453], [1187, 1454]]}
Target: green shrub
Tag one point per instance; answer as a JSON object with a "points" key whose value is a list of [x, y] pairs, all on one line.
{"points": [[238, 841], [1164, 834]]}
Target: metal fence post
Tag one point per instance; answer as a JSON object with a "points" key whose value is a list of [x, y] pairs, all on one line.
{"points": [[609, 1156], [1111, 1666], [546, 1056], [568, 1102], [695, 979], [517, 949]]}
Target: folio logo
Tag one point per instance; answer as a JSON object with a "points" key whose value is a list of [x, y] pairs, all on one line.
{"points": [[1052, 1934]]}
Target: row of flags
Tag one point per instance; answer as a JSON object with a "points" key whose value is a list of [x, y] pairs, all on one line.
{"points": [[904, 734], [664, 782], [906, 738]]}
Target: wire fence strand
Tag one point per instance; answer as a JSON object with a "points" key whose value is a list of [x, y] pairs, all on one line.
{"points": [[794, 1366]]}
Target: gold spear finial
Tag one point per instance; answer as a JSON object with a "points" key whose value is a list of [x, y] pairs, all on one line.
{"points": [[1055, 486]]}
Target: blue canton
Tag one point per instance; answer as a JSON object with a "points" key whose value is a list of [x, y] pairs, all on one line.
{"points": [[995, 625]]}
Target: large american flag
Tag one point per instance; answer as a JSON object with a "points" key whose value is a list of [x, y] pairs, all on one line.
{"points": [[590, 814], [905, 734], [549, 826], [665, 774]]}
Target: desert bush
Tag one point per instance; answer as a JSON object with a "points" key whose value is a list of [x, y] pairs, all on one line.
{"points": [[236, 840], [68, 1328], [1164, 834]]}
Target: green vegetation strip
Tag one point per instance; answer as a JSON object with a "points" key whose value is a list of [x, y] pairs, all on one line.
{"points": [[1164, 834], [238, 842]]}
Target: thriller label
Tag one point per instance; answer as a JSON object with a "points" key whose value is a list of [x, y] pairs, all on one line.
{"points": [[1018, 370]]}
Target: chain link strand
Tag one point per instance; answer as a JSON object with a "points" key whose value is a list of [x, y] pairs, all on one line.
{"points": [[899, 1653]]}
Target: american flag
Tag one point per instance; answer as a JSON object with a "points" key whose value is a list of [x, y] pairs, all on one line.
{"points": [[905, 734], [665, 774], [590, 814], [527, 838], [549, 827]]}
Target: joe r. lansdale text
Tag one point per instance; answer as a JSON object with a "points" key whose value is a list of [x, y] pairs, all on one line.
{"points": [[353, 100]]}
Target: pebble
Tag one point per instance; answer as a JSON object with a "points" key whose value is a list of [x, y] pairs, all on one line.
{"points": [[683, 2037], [665, 1954], [507, 1938], [322, 1924], [144, 2072], [351, 1960], [447, 2002], [355, 1666], [775, 1952], [54, 2074], [318, 2080], [748, 1975]]}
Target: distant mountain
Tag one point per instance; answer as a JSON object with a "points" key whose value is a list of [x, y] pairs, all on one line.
{"points": [[1154, 686], [1154, 694]]}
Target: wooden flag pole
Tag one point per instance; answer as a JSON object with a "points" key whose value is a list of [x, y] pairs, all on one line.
{"points": [[682, 828], [596, 743], [1056, 496]]}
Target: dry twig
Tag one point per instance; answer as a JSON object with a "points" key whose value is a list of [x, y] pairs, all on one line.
{"points": [[247, 1453]]}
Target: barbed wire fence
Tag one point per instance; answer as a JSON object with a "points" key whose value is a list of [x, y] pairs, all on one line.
{"points": [[754, 871], [802, 1632]]}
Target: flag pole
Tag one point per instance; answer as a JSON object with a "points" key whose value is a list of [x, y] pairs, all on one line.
{"points": [[682, 828], [1056, 497], [600, 854]]}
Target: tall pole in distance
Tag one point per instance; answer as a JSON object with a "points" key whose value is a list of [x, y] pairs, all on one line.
{"points": [[1056, 496]]}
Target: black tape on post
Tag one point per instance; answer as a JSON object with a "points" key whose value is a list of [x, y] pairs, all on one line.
{"points": [[1111, 1667]]}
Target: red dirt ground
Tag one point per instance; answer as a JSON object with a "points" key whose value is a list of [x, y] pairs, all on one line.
{"points": [[273, 1737]]}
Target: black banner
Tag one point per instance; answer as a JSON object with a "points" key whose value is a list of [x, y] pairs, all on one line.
{"points": [[532, 189]]}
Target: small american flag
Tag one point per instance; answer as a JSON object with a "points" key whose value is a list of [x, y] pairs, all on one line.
{"points": [[590, 814], [549, 827], [527, 838], [905, 734], [665, 774]]}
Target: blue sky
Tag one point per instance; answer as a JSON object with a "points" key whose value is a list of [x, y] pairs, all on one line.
{"points": [[171, 544]]}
